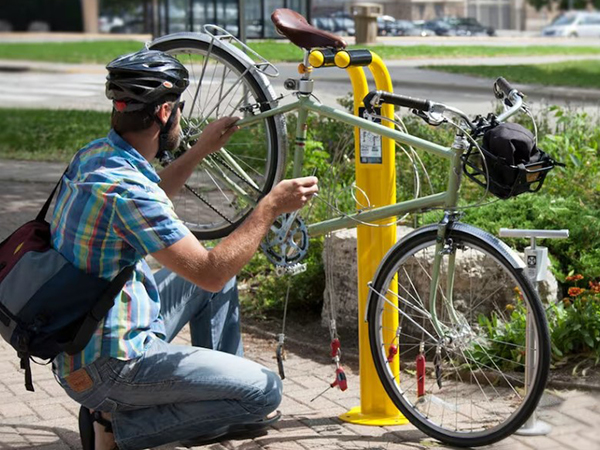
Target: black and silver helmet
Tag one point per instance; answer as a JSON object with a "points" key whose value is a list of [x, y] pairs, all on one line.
{"points": [[143, 78]]}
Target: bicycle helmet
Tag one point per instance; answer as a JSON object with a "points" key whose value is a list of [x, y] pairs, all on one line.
{"points": [[144, 78]]}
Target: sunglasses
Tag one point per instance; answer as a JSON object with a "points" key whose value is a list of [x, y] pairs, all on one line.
{"points": [[181, 105]]}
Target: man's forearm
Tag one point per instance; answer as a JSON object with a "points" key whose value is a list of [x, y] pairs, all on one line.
{"points": [[235, 251], [174, 176]]}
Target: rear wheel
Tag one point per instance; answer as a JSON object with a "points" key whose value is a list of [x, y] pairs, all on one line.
{"points": [[458, 372], [226, 185]]}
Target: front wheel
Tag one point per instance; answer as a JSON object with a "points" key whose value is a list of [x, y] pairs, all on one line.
{"points": [[455, 364], [225, 187]]}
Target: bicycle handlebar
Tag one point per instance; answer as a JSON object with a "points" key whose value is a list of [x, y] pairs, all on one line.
{"points": [[376, 97], [501, 85], [502, 88]]}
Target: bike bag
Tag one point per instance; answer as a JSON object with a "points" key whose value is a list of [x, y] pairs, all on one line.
{"points": [[513, 164], [47, 305]]}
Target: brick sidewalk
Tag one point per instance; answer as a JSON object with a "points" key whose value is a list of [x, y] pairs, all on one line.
{"points": [[47, 419]]}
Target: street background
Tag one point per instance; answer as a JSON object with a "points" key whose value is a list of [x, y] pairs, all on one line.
{"points": [[46, 419]]}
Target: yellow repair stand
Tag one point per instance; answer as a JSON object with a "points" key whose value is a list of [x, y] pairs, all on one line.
{"points": [[378, 181]]}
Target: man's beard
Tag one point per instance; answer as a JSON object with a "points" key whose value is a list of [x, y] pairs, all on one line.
{"points": [[173, 139]]}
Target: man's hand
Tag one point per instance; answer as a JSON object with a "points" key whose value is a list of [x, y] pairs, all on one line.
{"points": [[215, 135], [290, 195], [212, 269]]}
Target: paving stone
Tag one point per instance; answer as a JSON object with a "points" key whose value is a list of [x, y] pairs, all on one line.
{"points": [[584, 415], [15, 409], [544, 442]]}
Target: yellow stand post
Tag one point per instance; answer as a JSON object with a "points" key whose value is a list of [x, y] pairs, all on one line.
{"points": [[377, 178]]}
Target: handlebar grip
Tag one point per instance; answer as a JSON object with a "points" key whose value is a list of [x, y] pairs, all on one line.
{"points": [[395, 99], [503, 86]]}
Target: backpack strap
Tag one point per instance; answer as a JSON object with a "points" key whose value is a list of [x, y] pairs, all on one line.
{"points": [[98, 312], [42, 214], [26, 366]]}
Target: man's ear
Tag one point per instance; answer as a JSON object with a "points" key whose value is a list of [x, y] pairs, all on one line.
{"points": [[163, 113]]}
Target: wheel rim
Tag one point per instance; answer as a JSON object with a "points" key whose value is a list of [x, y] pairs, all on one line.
{"points": [[482, 395], [226, 185]]}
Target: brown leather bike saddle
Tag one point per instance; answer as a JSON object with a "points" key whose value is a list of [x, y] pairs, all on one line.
{"points": [[295, 27]]}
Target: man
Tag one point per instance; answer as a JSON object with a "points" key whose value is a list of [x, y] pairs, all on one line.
{"points": [[137, 389]]}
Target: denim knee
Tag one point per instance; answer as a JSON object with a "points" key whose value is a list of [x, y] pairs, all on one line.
{"points": [[263, 401]]}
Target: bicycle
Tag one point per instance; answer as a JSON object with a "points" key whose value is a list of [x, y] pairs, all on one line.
{"points": [[450, 286]]}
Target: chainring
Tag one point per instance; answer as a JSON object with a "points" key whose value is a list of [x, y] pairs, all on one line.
{"points": [[286, 244]]}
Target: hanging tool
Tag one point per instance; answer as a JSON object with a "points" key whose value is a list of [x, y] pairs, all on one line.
{"points": [[280, 351], [437, 364], [421, 371], [393, 348], [340, 381]]}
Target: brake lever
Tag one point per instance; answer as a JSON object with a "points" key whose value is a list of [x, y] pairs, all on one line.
{"points": [[428, 118]]}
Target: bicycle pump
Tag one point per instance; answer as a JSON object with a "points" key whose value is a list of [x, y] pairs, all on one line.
{"points": [[536, 258]]}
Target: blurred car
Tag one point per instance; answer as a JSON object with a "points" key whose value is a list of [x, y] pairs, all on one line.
{"points": [[468, 26], [324, 23], [344, 26], [574, 24], [386, 26], [107, 23], [408, 28], [439, 27]]}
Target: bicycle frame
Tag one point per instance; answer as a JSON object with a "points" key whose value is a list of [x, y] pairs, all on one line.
{"points": [[447, 199], [305, 105]]}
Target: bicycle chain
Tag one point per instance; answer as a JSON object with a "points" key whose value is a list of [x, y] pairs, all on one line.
{"points": [[206, 202], [202, 199], [222, 161]]}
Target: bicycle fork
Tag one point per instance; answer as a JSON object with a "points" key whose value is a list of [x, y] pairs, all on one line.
{"points": [[445, 248]]}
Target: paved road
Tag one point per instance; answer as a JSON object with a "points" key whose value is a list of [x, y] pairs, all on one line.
{"points": [[43, 85]]}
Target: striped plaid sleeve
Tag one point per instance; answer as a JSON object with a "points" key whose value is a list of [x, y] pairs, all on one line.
{"points": [[146, 220]]}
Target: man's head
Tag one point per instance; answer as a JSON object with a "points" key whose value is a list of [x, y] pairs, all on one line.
{"points": [[145, 88]]}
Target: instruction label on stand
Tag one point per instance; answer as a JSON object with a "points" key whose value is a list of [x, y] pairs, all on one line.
{"points": [[370, 143]]}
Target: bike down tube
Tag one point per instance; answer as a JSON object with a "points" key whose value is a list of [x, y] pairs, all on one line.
{"points": [[375, 214]]}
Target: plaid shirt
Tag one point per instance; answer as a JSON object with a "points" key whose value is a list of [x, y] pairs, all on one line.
{"points": [[110, 213]]}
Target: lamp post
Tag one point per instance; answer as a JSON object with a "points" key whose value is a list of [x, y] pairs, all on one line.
{"points": [[89, 12]]}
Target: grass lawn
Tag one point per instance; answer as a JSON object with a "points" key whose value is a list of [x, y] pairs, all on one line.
{"points": [[104, 51], [585, 74], [48, 135]]}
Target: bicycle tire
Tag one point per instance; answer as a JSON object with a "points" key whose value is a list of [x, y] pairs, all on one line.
{"points": [[208, 205], [409, 263]]}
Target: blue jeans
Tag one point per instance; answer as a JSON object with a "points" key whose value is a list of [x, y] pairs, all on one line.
{"points": [[178, 392]]}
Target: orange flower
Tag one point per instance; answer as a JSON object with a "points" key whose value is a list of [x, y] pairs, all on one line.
{"points": [[518, 293], [575, 291], [566, 301], [595, 287], [575, 277]]}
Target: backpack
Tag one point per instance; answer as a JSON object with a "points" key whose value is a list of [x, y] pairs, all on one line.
{"points": [[47, 305], [513, 162]]}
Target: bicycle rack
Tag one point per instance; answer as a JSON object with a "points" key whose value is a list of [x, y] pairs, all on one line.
{"points": [[375, 178], [536, 258]]}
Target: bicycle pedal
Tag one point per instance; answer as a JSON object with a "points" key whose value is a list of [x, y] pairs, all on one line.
{"points": [[293, 269]]}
